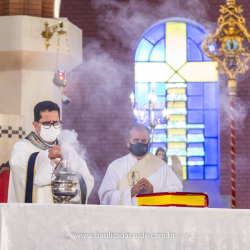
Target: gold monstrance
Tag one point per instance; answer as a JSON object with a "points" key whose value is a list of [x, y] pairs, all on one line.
{"points": [[232, 60]]}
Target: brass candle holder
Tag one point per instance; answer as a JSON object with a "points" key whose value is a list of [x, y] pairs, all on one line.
{"points": [[139, 112]]}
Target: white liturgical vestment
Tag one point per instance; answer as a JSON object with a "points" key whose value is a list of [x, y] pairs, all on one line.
{"points": [[163, 180], [44, 167]]}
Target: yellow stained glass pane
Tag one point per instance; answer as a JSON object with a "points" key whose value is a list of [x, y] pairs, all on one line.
{"points": [[177, 145], [184, 173], [176, 51], [152, 72], [177, 118], [176, 78], [181, 158], [199, 72], [176, 105], [176, 131], [177, 91]]}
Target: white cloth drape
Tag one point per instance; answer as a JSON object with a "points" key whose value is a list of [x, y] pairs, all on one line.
{"points": [[51, 226]]}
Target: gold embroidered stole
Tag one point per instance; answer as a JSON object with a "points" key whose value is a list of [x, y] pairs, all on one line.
{"points": [[37, 142], [142, 169]]}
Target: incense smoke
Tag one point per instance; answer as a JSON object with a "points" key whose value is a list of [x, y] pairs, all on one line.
{"points": [[107, 73], [70, 137]]}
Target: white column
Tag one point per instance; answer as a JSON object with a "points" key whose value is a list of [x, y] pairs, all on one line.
{"points": [[27, 69]]}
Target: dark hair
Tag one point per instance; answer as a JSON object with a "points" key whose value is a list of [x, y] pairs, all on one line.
{"points": [[42, 106], [137, 127], [164, 151], [160, 150]]}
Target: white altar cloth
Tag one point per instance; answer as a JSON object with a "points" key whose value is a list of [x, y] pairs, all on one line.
{"points": [[44, 226]]}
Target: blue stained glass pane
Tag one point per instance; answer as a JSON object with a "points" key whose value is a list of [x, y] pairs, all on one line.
{"points": [[195, 161], [193, 52], [195, 33], [211, 172], [211, 95], [158, 114], [195, 102], [156, 33], [195, 158], [211, 123], [195, 116], [159, 145], [160, 88], [195, 131], [195, 88], [141, 93], [211, 151], [199, 96], [158, 52], [195, 173], [143, 50], [195, 145], [205, 58], [159, 131]]}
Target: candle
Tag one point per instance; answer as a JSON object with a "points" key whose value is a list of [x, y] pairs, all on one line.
{"points": [[136, 112], [150, 97], [154, 99], [132, 97], [142, 115], [166, 113], [153, 86], [173, 96]]}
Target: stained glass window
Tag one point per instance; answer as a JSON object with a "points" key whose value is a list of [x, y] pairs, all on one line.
{"points": [[170, 55]]}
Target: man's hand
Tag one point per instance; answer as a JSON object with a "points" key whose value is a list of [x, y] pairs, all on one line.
{"points": [[55, 152], [147, 185], [143, 183]]}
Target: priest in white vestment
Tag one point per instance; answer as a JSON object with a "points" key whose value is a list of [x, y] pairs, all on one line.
{"points": [[137, 172], [34, 159]]}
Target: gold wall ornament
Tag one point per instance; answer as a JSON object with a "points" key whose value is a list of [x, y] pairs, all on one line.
{"points": [[49, 32], [231, 57], [232, 60]]}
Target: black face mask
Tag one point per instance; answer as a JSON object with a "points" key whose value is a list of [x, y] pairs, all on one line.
{"points": [[138, 149]]}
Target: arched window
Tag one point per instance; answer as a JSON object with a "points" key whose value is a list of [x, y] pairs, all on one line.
{"points": [[169, 54]]}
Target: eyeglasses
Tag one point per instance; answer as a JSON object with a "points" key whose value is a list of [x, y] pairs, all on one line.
{"points": [[47, 125]]}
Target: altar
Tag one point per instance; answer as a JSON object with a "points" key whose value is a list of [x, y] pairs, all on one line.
{"points": [[43, 226]]}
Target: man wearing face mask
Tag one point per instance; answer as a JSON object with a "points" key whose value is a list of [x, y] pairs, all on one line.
{"points": [[137, 172], [34, 159]]}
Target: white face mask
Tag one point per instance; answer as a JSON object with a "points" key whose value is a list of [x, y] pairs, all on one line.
{"points": [[49, 135]]}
